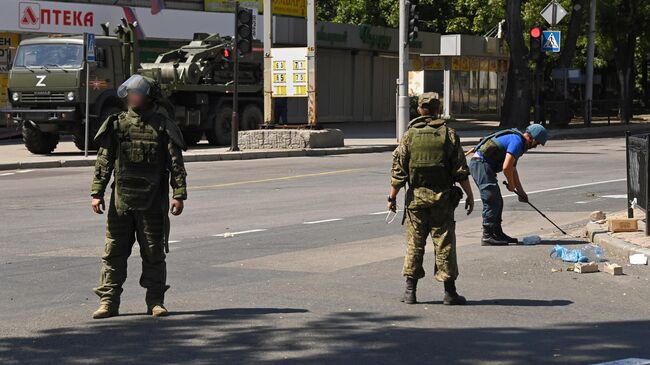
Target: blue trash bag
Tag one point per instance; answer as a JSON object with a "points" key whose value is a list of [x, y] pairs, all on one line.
{"points": [[568, 255]]}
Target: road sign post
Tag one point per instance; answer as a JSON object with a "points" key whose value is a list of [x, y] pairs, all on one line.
{"points": [[402, 80], [89, 50], [551, 41], [553, 13]]}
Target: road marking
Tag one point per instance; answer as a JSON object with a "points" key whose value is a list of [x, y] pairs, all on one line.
{"points": [[563, 188], [173, 241], [273, 179], [324, 221], [23, 171], [615, 196], [233, 234], [7, 174]]}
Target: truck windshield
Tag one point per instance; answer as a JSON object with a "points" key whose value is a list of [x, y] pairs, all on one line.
{"points": [[49, 55]]}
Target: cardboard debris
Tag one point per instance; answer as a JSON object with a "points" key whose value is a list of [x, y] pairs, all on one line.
{"points": [[623, 225], [585, 267], [638, 259], [613, 269]]}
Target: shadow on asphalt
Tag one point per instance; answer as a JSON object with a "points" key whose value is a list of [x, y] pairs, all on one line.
{"points": [[511, 302], [270, 336]]}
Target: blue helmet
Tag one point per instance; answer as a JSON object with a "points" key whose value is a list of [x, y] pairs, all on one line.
{"points": [[538, 132]]}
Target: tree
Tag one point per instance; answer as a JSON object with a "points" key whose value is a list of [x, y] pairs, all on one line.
{"points": [[516, 114], [573, 32]]}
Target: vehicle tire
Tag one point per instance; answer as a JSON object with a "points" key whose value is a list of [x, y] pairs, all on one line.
{"points": [[192, 137], [39, 143], [79, 137], [219, 134], [251, 118]]}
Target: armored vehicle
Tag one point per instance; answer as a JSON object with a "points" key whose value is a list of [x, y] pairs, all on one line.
{"points": [[47, 86]]}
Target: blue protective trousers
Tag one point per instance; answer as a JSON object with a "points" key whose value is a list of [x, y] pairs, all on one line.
{"points": [[486, 179]]}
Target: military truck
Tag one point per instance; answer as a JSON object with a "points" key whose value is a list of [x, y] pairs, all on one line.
{"points": [[47, 86]]}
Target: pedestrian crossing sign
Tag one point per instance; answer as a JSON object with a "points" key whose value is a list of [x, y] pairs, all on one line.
{"points": [[551, 41]]}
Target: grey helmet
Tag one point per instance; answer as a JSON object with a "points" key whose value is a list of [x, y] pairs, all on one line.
{"points": [[139, 84]]}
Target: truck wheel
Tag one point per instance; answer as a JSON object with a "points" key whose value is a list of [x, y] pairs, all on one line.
{"points": [[192, 137], [251, 118], [79, 137], [219, 134], [38, 142]]}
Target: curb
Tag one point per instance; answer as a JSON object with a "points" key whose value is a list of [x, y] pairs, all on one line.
{"points": [[598, 132], [219, 156], [600, 236]]}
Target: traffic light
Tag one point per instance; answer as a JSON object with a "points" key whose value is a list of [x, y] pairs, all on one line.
{"points": [[413, 20], [535, 43], [244, 30]]}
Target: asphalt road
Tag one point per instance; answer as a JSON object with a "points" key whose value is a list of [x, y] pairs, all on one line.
{"points": [[290, 261]]}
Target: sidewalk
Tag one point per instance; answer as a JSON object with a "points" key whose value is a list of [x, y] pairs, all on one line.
{"points": [[621, 244], [363, 137]]}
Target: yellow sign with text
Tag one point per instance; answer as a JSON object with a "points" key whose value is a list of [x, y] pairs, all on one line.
{"points": [[297, 8]]}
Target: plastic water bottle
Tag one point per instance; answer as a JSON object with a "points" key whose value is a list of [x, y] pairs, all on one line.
{"points": [[593, 252]]}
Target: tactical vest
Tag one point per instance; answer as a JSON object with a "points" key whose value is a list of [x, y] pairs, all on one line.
{"points": [[492, 150], [140, 167], [429, 155]]}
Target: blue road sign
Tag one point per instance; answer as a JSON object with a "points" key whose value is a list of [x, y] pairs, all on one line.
{"points": [[551, 41], [90, 47]]}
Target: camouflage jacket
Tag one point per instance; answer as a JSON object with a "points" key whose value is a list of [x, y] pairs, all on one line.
{"points": [[456, 165], [138, 159]]}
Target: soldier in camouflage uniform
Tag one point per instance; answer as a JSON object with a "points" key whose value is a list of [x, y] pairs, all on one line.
{"points": [[141, 147], [430, 160]]}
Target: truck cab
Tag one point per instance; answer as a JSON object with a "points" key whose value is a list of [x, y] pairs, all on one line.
{"points": [[47, 88]]}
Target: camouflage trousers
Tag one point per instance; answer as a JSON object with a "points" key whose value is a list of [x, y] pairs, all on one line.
{"points": [[122, 230], [439, 223]]}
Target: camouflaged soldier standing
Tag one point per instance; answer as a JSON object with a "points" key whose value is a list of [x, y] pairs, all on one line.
{"points": [[430, 160], [142, 147]]}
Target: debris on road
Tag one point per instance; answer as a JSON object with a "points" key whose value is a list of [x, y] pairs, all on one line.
{"points": [[638, 259], [588, 253], [556, 270], [623, 225], [586, 267], [531, 240], [613, 269], [598, 216]]}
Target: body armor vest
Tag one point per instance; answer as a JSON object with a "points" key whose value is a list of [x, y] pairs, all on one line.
{"points": [[492, 150], [429, 155], [140, 168]]}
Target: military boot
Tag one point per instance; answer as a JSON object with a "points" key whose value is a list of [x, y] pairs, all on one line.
{"points": [[490, 238], [451, 295], [158, 310], [409, 294], [504, 237], [105, 311]]}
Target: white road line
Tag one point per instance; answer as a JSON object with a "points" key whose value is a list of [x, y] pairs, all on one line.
{"points": [[324, 221], [23, 171], [615, 196], [233, 234], [173, 241], [563, 188], [7, 174]]}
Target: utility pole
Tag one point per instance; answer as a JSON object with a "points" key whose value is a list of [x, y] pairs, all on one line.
{"points": [[589, 80], [311, 64], [402, 81], [268, 60], [234, 123]]}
